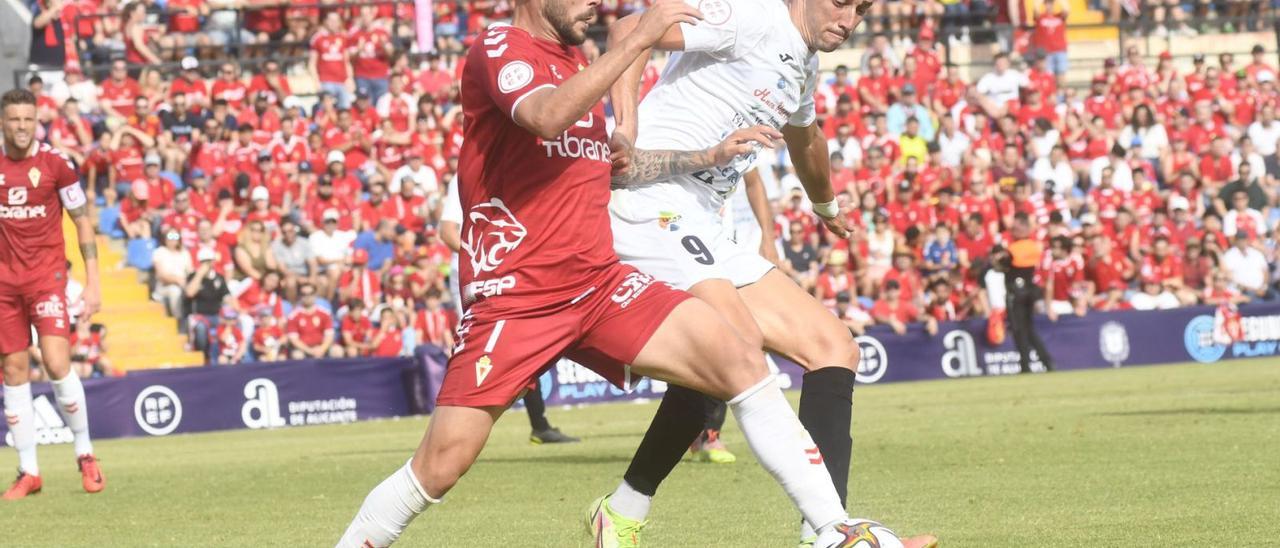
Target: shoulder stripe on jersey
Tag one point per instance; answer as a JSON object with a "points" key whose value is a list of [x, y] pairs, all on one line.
{"points": [[525, 96]]}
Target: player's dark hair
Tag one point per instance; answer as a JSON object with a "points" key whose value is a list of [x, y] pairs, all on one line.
{"points": [[17, 97]]}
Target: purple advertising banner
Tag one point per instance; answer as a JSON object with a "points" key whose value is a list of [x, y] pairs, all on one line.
{"points": [[960, 349], [177, 401]]}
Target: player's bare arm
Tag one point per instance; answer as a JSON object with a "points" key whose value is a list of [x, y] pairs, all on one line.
{"points": [[87, 237], [808, 149], [763, 211], [645, 166], [624, 95], [549, 112]]}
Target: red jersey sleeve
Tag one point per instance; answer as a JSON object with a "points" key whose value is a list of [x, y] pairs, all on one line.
{"points": [[513, 67], [66, 179]]}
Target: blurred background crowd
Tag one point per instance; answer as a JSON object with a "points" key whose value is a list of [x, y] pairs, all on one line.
{"points": [[278, 171]]}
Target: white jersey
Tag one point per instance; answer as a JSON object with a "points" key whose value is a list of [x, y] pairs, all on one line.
{"points": [[745, 64]]}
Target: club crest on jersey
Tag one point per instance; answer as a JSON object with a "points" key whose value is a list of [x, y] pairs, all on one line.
{"points": [[34, 177], [715, 12], [492, 233]]}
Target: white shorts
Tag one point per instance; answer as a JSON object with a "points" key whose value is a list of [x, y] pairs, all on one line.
{"points": [[680, 245]]}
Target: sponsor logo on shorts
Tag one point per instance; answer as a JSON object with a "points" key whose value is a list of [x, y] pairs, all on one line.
{"points": [[488, 288], [493, 232], [631, 288], [158, 410], [51, 307], [483, 367]]}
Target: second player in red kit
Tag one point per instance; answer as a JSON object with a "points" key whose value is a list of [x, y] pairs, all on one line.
{"points": [[36, 184]]}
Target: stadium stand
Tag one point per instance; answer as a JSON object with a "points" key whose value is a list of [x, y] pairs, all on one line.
{"points": [[296, 143]]}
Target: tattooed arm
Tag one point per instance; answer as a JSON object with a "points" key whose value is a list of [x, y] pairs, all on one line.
{"points": [[650, 165], [87, 236]]}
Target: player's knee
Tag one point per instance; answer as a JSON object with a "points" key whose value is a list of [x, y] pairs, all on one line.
{"points": [[747, 369], [17, 367], [830, 345]]}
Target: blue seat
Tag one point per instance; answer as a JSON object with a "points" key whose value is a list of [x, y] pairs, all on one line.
{"points": [[109, 222], [138, 253]]}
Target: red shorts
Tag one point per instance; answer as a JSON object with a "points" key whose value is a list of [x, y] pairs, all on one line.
{"points": [[27, 300], [496, 358]]}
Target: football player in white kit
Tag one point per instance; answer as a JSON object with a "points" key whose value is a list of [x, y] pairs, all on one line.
{"points": [[741, 78]]}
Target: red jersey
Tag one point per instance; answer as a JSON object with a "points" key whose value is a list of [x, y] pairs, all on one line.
{"points": [[33, 192], [1067, 273], [120, 95], [258, 84], [331, 65], [1161, 270], [390, 345], [197, 91], [310, 326], [529, 244], [268, 336], [364, 286], [368, 54], [432, 326], [234, 92], [1050, 33], [360, 329]]}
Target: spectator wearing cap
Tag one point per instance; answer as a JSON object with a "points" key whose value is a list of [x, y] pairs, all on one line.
{"points": [[310, 328], [1049, 35], [836, 278], [345, 186], [330, 247], [330, 59], [851, 314], [908, 107], [172, 265], [205, 291], [260, 210], [324, 201]]}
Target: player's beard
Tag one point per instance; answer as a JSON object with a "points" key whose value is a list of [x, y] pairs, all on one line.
{"points": [[557, 13]]}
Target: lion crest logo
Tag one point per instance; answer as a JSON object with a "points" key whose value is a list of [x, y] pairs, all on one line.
{"points": [[493, 233]]}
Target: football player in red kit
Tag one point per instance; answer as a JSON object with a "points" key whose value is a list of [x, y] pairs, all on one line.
{"points": [[36, 183], [540, 279]]}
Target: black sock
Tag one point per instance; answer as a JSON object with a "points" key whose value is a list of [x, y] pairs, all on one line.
{"points": [[826, 411], [715, 413], [537, 410], [678, 422]]}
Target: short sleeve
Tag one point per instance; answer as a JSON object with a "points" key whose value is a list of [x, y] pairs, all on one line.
{"points": [[723, 30], [513, 67], [807, 113]]}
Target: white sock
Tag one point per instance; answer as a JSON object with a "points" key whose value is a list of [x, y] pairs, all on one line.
{"points": [[20, 416], [75, 410], [630, 503], [784, 448], [387, 511], [806, 530]]}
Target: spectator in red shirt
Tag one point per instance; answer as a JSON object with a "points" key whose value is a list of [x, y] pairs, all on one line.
{"points": [[359, 282], [1113, 299], [835, 278], [388, 340], [896, 311], [357, 330], [1049, 37], [268, 337], [330, 60], [370, 53], [310, 328], [1064, 280], [433, 323]]}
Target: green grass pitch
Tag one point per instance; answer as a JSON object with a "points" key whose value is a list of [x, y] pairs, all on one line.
{"points": [[1185, 455]]}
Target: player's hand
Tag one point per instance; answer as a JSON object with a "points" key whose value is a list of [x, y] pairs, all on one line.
{"points": [[838, 225], [769, 250], [92, 298], [621, 146], [744, 141], [655, 21]]}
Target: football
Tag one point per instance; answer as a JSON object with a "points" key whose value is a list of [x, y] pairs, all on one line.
{"points": [[871, 534]]}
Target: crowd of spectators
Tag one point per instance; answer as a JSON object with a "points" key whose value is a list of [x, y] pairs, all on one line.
{"points": [[279, 225]]}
